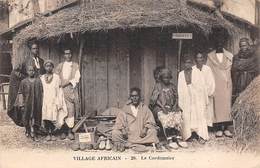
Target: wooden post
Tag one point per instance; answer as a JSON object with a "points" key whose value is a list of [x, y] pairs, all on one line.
{"points": [[81, 95], [179, 56]]}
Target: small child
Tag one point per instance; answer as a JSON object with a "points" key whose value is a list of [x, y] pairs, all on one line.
{"points": [[30, 102], [53, 101]]}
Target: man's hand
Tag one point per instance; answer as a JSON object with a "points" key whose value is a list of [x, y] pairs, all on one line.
{"points": [[143, 132]]}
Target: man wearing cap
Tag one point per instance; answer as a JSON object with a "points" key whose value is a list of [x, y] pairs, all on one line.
{"points": [[69, 74]]}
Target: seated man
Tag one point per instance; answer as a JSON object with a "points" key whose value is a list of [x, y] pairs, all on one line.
{"points": [[134, 125]]}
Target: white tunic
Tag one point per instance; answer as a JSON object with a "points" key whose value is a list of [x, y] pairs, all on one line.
{"points": [[53, 107], [66, 73], [193, 100]]}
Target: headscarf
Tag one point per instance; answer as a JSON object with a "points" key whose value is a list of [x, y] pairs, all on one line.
{"points": [[166, 72], [48, 61]]}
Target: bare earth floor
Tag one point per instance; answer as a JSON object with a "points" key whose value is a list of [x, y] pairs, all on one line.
{"points": [[16, 151]]}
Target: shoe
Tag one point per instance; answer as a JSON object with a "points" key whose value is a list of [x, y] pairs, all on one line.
{"points": [[82, 146], [71, 136], [27, 134], [201, 141], [182, 144], [108, 145], [36, 139], [158, 147], [168, 148], [53, 138], [173, 145], [227, 133], [89, 146], [75, 146], [95, 146], [219, 134], [62, 136], [48, 138], [102, 145]]}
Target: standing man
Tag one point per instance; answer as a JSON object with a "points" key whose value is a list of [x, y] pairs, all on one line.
{"points": [[69, 74], [244, 68], [220, 62], [18, 74], [134, 125], [195, 85]]}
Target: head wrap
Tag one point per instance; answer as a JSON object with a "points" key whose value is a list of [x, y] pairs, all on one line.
{"points": [[166, 72], [48, 61]]}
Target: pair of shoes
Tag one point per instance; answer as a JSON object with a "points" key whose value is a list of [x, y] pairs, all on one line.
{"points": [[183, 144], [62, 136], [201, 141], [219, 134], [227, 133]]}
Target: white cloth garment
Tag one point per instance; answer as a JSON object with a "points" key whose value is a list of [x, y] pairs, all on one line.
{"points": [[36, 61], [134, 110], [66, 72], [194, 99], [54, 107], [211, 86], [220, 57]]}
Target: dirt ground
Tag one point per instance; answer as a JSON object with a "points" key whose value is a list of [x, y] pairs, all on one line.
{"points": [[18, 151]]}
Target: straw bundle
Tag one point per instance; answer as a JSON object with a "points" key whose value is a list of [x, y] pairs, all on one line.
{"points": [[246, 114]]}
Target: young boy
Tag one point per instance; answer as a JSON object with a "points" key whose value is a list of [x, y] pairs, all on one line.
{"points": [[30, 102], [53, 101]]}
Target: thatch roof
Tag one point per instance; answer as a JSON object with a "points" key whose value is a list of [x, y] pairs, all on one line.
{"points": [[105, 15]]}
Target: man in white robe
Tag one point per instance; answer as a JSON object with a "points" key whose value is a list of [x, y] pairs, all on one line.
{"points": [[195, 85]]}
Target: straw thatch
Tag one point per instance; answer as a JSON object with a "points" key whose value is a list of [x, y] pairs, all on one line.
{"points": [[104, 15], [246, 114]]}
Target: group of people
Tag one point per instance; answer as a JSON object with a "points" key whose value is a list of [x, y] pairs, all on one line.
{"points": [[42, 96], [202, 99]]}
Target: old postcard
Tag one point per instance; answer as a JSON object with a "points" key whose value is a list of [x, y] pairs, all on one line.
{"points": [[129, 83]]}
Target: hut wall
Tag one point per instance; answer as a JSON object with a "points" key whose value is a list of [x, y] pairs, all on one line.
{"points": [[114, 62], [105, 71], [233, 42]]}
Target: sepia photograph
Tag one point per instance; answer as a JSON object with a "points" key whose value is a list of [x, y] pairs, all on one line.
{"points": [[130, 83]]}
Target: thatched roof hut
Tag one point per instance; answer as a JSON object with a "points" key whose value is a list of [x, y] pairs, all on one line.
{"points": [[114, 58], [125, 14]]}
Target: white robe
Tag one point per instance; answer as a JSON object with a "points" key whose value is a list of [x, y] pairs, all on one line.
{"points": [[194, 99], [54, 107]]}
